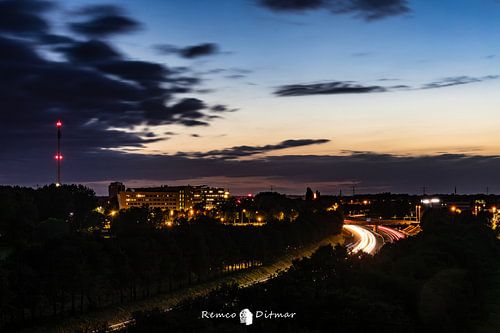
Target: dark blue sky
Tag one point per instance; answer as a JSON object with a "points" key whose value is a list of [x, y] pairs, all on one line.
{"points": [[248, 93]]}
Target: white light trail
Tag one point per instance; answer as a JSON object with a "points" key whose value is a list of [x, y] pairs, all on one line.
{"points": [[366, 242]]}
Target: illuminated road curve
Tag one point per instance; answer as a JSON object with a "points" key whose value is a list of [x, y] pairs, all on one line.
{"points": [[365, 239], [392, 234]]}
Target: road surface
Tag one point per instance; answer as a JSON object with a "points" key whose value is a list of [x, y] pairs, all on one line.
{"points": [[369, 241], [364, 239]]}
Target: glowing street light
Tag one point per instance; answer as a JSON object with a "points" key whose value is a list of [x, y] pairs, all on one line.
{"points": [[430, 201]]}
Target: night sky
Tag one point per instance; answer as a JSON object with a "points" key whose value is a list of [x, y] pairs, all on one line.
{"points": [[386, 95]]}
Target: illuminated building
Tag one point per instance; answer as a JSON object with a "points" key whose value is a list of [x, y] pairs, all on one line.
{"points": [[212, 197], [173, 198]]}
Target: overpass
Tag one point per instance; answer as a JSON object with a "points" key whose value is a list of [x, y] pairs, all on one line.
{"points": [[375, 221]]}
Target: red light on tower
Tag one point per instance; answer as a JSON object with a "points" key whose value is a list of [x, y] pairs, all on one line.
{"points": [[58, 156]]}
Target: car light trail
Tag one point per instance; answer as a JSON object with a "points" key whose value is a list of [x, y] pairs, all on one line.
{"points": [[367, 241], [393, 234]]}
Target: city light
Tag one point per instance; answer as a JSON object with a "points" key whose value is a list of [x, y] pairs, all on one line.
{"points": [[430, 201]]}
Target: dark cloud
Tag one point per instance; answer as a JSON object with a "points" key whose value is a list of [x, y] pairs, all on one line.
{"points": [[196, 51], [189, 52], [53, 39], [189, 112], [366, 9], [24, 16], [86, 82], [219, 108], [134, 70], [204, 91], [293, 5], [89, 51], [350, 87], [192, 122], [99, 10], [336, 87], [370, 172], [245, 151], [370, 9], [235, 76], [14, 52], [104, 20]]}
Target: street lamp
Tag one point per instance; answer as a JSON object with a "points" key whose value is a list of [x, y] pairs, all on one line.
{"points": [[418, 212]]}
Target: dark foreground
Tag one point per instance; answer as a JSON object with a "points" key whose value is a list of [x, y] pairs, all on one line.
{"points": [[446, 279]]}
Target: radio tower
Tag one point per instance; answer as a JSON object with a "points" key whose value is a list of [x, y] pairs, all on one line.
{"points": [[58, 156]]}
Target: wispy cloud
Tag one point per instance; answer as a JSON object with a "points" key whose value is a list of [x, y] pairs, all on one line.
{"points": [[351, 87], [366, 9], [245, 151], [329, 88], [457, 80]]}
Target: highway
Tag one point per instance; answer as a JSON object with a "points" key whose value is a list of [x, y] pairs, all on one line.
{"points": [[392, 235], [365, 240], [369, 241]]}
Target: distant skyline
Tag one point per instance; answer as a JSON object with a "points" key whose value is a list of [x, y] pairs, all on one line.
{"points": [[386, 95]]}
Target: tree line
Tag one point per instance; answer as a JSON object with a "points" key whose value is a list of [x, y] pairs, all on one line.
{"points": [[57, 259]]}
